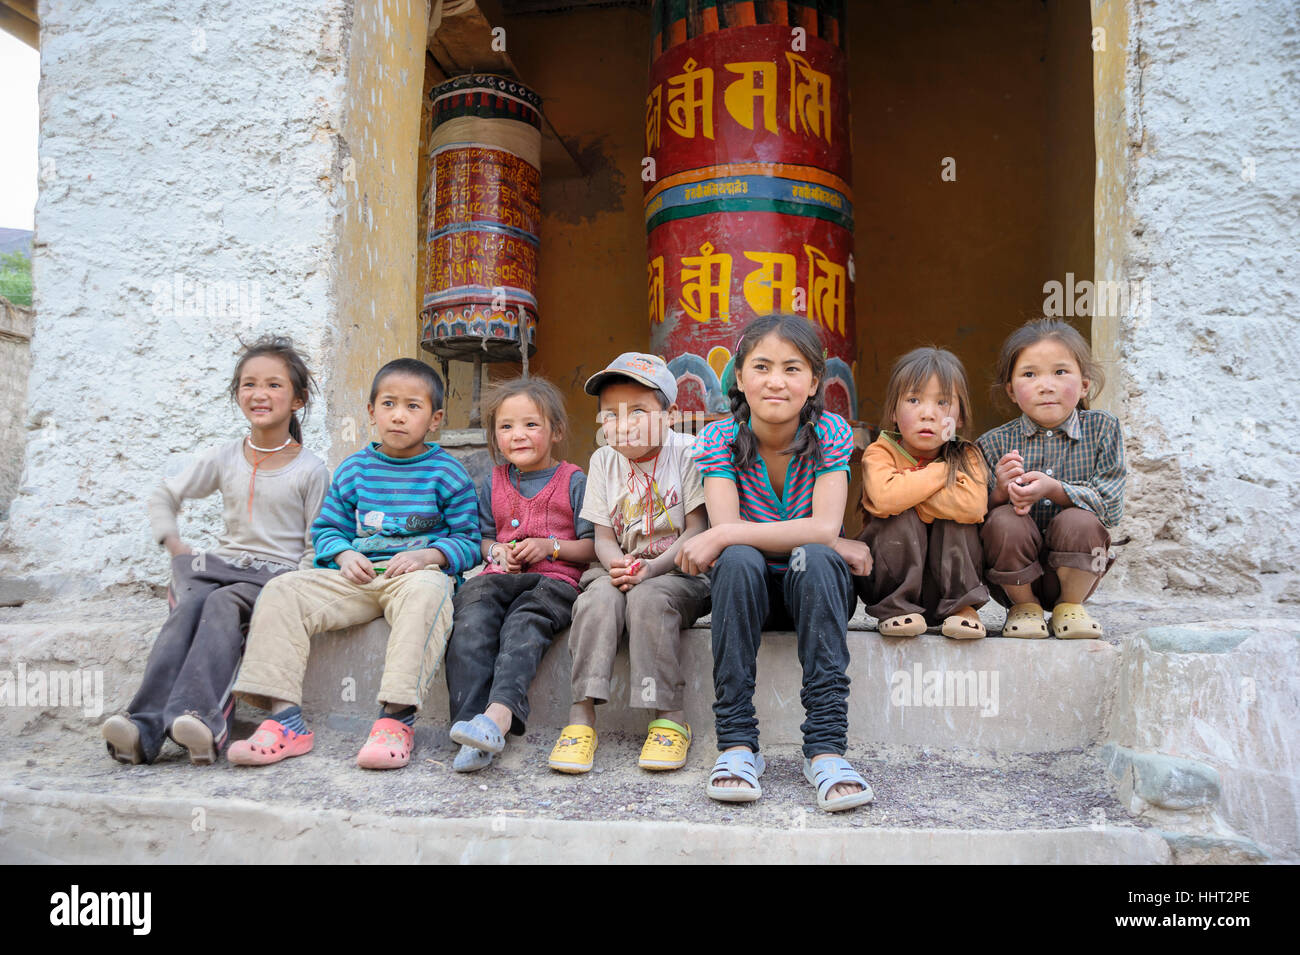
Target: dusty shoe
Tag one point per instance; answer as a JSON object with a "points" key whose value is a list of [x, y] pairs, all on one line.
{"points": [[471, 760], [123, 738], [191, 732]]}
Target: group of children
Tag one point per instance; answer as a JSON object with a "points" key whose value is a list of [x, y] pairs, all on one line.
{"points": [[744, 519]]}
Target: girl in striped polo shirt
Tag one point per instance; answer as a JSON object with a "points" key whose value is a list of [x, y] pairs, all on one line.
{"points": [[775, 484]]}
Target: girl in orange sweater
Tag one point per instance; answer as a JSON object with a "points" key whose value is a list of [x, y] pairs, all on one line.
{"points": [[924, 490]]}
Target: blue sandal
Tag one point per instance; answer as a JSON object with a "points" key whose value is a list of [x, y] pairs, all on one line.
{"points": [[738, 764], [471, 760], [479, 733], [828, 773]]}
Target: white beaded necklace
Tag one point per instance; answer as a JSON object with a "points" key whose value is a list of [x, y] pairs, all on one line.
{"points": [[249, 439]]}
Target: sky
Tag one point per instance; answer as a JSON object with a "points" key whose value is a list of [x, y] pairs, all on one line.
{"points": [[20, 69]]}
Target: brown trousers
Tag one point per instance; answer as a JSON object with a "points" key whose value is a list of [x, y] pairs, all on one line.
{"points": [[929, 569], [654, 613], [1016, 553]]}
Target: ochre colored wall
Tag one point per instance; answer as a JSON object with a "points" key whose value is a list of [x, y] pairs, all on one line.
{"points": [[960, 264], [1003, 87], [1111, 216], [375, 281]]}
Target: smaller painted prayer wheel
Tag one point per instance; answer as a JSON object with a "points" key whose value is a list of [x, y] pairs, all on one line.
{"points": [[480, 287]]}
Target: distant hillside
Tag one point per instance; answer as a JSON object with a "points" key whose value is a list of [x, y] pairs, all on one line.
{"points": [[16, 240]]}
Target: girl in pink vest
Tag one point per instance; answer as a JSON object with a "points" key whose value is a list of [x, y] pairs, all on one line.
{"points": [[536, 549]]}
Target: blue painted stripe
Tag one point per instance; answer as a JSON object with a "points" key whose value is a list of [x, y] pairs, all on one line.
{"points": [[493, 227]]}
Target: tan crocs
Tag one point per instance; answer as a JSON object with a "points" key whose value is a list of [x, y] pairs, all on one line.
{"points": [[959, 627], [904, 625], [1026, 622], [1072, 622]]}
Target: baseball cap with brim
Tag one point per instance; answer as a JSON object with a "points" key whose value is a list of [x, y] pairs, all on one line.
{"points": [[648, 370]]}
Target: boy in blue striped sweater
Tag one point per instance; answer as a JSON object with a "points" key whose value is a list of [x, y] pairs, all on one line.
{"points": [[397, 529]]}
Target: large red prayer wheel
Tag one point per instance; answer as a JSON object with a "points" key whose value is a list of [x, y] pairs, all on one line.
{"points": [[480, 288], [748, 203]]}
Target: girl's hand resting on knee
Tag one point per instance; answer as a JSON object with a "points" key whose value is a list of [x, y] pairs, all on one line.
{"points": [[355, 566], [699, 552], [855, 553]]}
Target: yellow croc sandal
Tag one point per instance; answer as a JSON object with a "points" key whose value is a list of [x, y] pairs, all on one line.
{"points": [[1025, 621], [1072, 622], [575, 750], [666, 746]]}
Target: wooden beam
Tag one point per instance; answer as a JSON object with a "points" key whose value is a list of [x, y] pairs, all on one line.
{"points": [[461, 40], [18, 19]]}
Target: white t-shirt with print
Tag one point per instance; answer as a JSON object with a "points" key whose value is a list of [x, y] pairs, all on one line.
{"points": [[618, 491]]}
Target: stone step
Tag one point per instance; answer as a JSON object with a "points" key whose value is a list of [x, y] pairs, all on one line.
{"points": [[64, 800], [993, 694]]}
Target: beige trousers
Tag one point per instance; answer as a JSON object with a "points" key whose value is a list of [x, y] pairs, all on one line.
{"points": [[417, 606]]}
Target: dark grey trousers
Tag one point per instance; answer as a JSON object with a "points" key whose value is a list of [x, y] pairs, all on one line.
{"points": [[194, 660], [816, 602], [501, 627]]}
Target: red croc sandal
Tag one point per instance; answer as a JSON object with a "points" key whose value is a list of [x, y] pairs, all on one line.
{"points": [[389, 745], [271, 743]]}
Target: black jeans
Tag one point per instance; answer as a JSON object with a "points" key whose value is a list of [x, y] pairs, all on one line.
{"points": [[501, 627], [194, 660], [816, 602]]}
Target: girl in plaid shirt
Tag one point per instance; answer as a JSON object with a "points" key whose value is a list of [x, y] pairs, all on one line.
{"points": [[1056, 485]]}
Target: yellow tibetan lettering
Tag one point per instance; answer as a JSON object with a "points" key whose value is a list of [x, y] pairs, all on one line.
{"points": [[741, 93], [700, 288], [810, 98], [826, 289], [776, 273], [653, 104], [655, 280], [690, 92]]}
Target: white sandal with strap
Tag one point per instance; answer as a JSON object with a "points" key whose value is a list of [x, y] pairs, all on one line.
{"points": [[738, 764], [827, 773]]}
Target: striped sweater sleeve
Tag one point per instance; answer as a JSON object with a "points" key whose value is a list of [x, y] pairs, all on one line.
{"points": [[335, 526], [461, 544]]}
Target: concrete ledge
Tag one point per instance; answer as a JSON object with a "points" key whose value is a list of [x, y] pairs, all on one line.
{"points": [[63, 827], [993, 694]]}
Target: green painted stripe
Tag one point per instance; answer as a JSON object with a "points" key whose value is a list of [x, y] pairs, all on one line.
{"points": [[749, 205]]}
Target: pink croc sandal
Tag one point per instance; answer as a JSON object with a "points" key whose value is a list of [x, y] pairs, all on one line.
{"points": [[271, 743], [389, 745]]}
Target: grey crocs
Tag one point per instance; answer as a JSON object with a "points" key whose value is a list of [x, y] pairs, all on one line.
{"points": [[479, 733]]}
